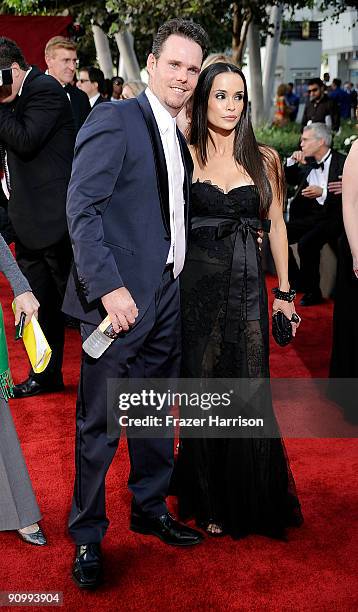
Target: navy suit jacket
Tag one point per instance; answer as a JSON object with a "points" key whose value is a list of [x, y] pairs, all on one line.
{"points": [[118, 208]]}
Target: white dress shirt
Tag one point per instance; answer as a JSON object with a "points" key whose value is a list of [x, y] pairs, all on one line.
{"points": [[318, 176], [3, 179], [167, 129], [93, 99]]}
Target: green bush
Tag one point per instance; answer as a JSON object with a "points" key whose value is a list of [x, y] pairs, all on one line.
{"points": [[348, 129], [286, 139]]}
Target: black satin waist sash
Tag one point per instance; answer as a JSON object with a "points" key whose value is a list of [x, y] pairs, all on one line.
{"points": [[244, 260]]}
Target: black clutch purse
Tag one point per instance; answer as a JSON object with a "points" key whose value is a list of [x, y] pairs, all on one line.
{"points": [[281, 328]]}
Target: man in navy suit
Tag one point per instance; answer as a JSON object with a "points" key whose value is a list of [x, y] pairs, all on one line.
{"points": [[127, 213]]}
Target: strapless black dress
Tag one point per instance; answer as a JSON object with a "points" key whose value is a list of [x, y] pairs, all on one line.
{"points": [[245, 484]]}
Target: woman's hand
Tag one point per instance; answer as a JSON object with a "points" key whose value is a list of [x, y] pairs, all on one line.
{"points": [[27, 303], [355, 265], [288, 309]]}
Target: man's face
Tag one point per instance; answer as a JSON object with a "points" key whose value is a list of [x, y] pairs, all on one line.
{"points": [[174, 75], [310, 144], [62, 65], [9, 92], [315, 92], [84, 83]]}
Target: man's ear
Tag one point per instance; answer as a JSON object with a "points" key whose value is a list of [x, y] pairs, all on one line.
{"points": [[16, 70], [151, 61]]}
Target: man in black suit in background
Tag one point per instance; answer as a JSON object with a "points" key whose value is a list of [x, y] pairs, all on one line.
{"points": [[316, 209], [37, 136], [61, 60], [91, 82], [319, 107]]}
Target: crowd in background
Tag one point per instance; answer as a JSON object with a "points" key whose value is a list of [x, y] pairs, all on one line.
{"points": [[341, 102]]}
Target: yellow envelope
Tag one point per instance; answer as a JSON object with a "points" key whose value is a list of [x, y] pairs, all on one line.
{"points": [[36, 345]]}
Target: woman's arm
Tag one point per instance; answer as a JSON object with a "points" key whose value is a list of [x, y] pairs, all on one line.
{"points": [[278, 233], [25, 300], [350, 202], [11, 270]]}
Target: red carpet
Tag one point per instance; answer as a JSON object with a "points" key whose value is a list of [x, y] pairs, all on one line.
{"points": [[315, 571]]}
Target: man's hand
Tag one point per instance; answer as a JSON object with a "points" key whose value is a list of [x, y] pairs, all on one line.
{"points": [[27, 303], [121, 309], [312, 191], [299, 157], [335, 187]]}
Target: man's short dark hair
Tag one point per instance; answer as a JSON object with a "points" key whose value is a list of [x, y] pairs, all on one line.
{"points": [[180, 27], [316, 81], [95, 75], [290, 84], [10, 53], [337, 82]]}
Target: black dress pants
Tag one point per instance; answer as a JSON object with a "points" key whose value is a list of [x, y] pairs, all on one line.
{"points": [[151, 349], [311, 235], [47, 271]]}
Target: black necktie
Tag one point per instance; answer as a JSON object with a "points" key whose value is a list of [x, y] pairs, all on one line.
{"points": [[5, 166]]}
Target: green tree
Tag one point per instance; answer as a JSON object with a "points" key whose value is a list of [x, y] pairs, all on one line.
{"points": [[226, 22]]}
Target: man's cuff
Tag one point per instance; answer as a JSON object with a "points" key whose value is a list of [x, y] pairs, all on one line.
{"points": [[321, 200], [290, 161]]}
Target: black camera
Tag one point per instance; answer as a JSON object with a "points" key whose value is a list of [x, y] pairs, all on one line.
{"points": [[5, 76]]}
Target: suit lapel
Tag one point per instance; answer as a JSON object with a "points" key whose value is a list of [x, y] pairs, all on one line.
{"points": [[159, 158], [303, 182], [333, 168], [18, 102]]}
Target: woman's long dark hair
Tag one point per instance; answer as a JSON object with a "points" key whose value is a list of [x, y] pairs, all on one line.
{"points": [[246, 149]]}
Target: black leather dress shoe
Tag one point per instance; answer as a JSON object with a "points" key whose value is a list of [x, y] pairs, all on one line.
{"points": [[311, 299], [37, 538], [166, 528], [31, 387], [87, 567]]}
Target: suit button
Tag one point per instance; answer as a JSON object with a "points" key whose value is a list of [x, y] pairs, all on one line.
{"points": [[166, 238]]}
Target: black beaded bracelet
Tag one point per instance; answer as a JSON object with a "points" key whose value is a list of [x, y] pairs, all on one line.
{"points": [[286, 296]]}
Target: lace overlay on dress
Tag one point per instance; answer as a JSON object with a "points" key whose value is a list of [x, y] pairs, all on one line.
{"points": [[246, 484]]}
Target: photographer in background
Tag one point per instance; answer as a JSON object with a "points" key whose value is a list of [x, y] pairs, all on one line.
{"points": [[6, 229], [316, 208], [37, 137]]}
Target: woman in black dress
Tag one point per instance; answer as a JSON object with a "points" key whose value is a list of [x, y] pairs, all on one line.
{"points": [[344, 359], [235, 486]]}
